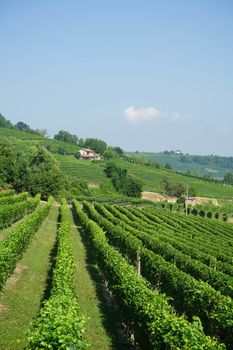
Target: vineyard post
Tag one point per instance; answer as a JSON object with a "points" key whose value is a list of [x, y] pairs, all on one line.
{"points": [[138, 263], [186, 200]]}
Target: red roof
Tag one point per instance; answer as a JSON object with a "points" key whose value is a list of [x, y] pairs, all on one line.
{"points": [[86, 150]]}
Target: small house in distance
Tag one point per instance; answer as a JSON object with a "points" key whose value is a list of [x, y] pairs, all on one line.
{"points": [[88, 154]]}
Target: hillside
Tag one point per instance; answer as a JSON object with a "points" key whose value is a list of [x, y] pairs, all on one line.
{"points": [[185, 262], [214, 166], [152, 178], [92, 172], [25, 139]]}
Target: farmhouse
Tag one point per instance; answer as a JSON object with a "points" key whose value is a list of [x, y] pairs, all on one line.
{"points": [[88, 154]]}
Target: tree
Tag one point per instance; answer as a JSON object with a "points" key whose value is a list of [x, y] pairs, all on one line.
{"points": [[168, 167], [123, 183], [118, 150], [174, 188], [42, 132], [61, 150], [132, 187], [192, 192], [228, 178], [77, 155], [13, 165], [33, 169], [99, 146], [45, 176], [4, 123], [65, 136], [109, 153], [22, 126]]}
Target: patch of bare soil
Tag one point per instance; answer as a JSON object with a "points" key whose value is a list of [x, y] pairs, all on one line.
{"points": [[93, 185], [156, 197], [1, 237], [203, 200], [16, 275]]}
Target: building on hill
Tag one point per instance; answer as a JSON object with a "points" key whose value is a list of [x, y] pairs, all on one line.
{"points": [[178, 151], [88, 154]]}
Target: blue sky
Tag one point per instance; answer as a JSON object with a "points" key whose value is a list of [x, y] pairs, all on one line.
{"points": [[144, 75]]}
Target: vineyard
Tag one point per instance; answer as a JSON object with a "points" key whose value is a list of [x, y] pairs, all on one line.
{"points": [[168, 277], [151, 177]]}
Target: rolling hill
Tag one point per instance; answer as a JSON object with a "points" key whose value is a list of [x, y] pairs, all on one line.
{"points": [[90, 171], [214, 166]]}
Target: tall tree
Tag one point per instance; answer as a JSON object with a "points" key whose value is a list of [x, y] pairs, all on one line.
{"points": [[99, 146], [65, 136], [4, 123], [22, 126], [228, 178]]}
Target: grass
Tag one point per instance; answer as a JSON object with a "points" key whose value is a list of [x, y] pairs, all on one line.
{"points": [[102, 322], [21, 298]]}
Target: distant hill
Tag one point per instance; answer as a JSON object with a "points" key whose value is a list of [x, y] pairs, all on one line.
{"points": [[214, 166]]}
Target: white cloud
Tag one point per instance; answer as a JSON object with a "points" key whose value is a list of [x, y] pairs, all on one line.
{"points": [[147, 114], [225, 130], [143, 114]]}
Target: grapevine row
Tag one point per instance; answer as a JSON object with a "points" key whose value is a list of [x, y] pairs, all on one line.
{"points": [[149, 314], [13, 199], [12, 248], [13, 212], [195, 268], [60, 324], [190, 296], [9, 192], [197, 239]]}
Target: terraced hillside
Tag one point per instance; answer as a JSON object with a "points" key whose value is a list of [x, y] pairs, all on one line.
{"points": [[152, 178], [85, 170]]}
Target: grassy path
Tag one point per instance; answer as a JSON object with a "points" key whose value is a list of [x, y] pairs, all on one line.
{"points": [[21, 298], [102, 324]]}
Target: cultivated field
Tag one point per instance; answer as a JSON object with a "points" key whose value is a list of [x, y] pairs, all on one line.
{"points": [[113, 277]]}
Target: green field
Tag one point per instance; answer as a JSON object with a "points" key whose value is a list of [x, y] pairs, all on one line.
{"points": [[152, 178]]}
